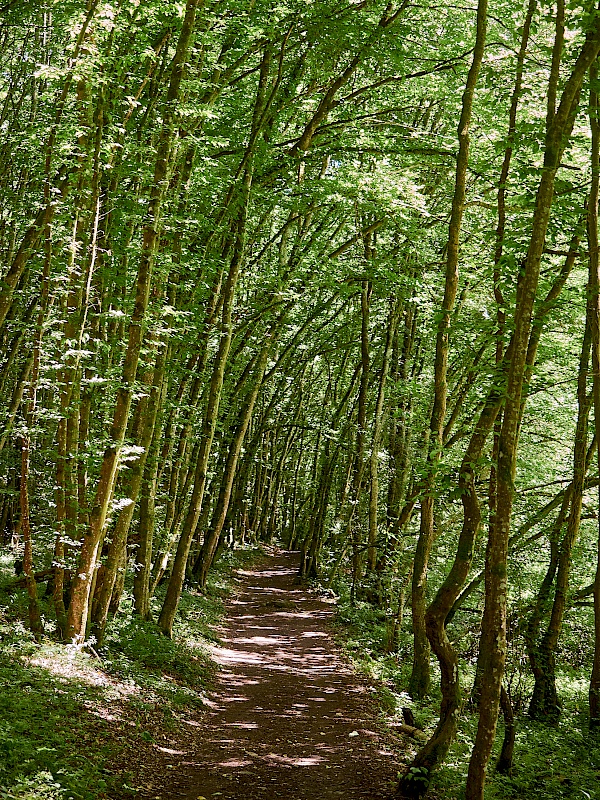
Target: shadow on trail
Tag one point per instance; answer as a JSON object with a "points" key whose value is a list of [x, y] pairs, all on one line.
{"points": [[288, 718]]}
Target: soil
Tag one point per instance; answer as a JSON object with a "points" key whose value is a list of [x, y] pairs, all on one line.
{"points": [[287, 717]]}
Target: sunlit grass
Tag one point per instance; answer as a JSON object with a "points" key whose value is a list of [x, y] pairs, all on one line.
{"points": [[68, 716]]}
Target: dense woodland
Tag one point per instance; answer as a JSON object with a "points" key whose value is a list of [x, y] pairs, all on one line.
{"points": [[324, 273]]}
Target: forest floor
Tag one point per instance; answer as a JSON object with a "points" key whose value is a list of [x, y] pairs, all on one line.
{"points": [[252, 699], [288, 717]]}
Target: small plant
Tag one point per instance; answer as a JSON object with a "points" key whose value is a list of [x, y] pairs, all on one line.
{"points": [[418, 775]]}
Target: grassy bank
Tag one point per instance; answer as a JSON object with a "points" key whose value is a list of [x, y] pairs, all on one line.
{"points": [[550, 762], [74, 724]]}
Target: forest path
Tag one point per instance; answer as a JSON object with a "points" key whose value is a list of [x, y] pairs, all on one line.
{"points": [[289, 718]]}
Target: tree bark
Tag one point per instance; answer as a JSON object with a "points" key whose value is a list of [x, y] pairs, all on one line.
{"points": [[493, 637], [420, 680], [544, 703], [175, 587], [80, 596], [594, 302], [376, 441]]}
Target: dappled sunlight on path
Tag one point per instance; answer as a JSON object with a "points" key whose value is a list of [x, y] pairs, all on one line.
{"points": [[288, 718]]}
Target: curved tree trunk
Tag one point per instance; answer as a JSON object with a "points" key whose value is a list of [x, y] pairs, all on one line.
{"points": [[436, 749], [419, 680]]}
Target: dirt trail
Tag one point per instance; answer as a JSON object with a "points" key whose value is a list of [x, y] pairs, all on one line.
{"points": [[288, 718]]}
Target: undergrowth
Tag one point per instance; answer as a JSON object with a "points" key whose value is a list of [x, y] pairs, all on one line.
{"points": [[550, 763], [69, 717]]}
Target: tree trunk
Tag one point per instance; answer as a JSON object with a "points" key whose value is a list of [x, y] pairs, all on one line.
{"points": [[436, 749], [419, 679], [210, 543], [493, 637], [594, 301], [35, 617], [175, 587], [376, 440], [504, 764], [544, 702], [80, 596]]}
